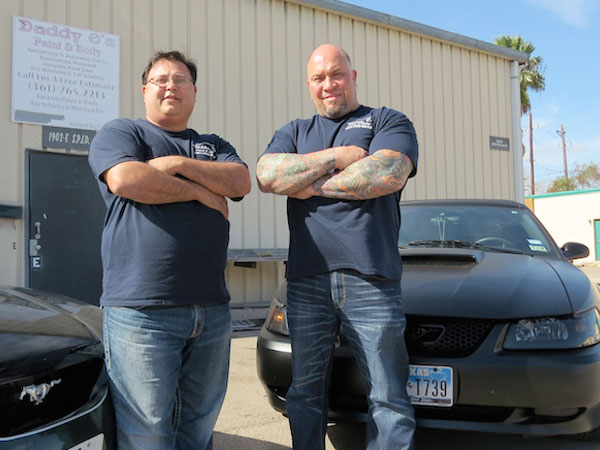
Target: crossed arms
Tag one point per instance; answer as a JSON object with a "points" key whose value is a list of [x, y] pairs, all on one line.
{"points": [[154, 182], [339, 172]]}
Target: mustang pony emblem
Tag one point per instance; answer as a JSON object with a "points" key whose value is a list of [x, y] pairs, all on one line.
{"points": [[37, 393]]}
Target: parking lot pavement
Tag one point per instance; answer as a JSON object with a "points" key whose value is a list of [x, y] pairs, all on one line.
{"points": [[247, 422]]}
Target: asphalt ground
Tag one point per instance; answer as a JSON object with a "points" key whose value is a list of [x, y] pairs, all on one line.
{"points": [[247, 421]]}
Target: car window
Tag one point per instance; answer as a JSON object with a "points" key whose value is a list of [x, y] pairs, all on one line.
{"points": [[493, 226]]}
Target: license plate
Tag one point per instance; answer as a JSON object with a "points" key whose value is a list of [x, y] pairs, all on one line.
{"points": [[94, 443], [430, 385]]}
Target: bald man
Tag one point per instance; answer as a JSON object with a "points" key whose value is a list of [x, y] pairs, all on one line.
{"points": [[343, 171]]}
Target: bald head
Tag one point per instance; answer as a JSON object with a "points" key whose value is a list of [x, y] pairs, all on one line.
{"points": [[330, 49], [332, 81]]}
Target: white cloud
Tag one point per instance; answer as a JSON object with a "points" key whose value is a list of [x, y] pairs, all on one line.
{"points": [[573, 12]]}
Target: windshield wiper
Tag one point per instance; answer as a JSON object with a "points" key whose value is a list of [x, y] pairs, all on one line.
{"points": [[452, 243]]}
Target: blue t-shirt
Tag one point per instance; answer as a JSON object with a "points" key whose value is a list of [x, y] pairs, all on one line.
{"points": [[167, 254], [329, 234]]}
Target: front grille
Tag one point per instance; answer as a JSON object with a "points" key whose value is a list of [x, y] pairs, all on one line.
{"points": [[78, 375], [471, 413], [445, 337]]}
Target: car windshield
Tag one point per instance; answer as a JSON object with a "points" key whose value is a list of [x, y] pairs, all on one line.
{"points": [[498, 228]]}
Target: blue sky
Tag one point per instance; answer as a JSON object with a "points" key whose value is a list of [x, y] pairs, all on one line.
{"points": [[566, 34]]}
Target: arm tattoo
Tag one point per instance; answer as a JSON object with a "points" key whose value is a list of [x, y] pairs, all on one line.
{"points": [[380, 174], [287, 173]]}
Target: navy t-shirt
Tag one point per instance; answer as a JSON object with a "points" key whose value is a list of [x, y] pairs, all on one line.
{"points": [[167, 254], [329, 234]]}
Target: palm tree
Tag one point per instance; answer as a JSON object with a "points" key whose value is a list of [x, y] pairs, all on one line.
{"points": [[531, 72], [530, 76]]}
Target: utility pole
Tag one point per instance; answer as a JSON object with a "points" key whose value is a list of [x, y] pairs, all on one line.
{"points": [[531, 154], [561, 133]]}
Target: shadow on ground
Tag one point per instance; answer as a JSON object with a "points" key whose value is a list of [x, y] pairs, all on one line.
{"points": [[232, 442], [347, 435], [350, 436]]}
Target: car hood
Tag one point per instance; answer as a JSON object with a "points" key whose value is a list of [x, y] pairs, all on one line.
{"points": [[40, 326], [491, 285]]}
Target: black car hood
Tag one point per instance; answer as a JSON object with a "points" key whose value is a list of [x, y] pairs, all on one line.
{"points": [[491, 285], [36, 325]]}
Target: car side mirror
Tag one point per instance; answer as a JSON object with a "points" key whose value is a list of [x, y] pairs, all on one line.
{"points": [[575, 250]]}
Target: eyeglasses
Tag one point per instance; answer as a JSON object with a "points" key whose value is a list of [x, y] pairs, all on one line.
{"points": [[163, 81]]}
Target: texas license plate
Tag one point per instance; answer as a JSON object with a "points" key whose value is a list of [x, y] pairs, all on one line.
{"points": [[94, 443], [430, 385]]}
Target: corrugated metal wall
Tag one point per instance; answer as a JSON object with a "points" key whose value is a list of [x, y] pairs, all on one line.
{"points": [[251, 56]]}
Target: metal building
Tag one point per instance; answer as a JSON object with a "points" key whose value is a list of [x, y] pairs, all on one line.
{"points": [[461, 94]]}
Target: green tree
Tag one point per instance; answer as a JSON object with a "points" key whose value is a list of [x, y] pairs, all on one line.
{"points": [[586, 176], [562, 184], [530, 73]]}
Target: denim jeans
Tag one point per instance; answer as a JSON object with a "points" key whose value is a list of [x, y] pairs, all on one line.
{"points": [[168, 370], [371, 313]]}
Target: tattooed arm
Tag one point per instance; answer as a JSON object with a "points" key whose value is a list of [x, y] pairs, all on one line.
{"points": [[382, 173], [289, 173]]}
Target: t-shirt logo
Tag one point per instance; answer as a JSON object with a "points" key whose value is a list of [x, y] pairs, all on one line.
{"points": [[363, 122], [205, 149]]}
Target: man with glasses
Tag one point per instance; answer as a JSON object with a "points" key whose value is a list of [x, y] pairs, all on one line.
{"points": [[167, 325], [343, 171]]}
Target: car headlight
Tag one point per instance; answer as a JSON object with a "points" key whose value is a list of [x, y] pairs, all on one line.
{"points": [[276, 320], [577, 331]]}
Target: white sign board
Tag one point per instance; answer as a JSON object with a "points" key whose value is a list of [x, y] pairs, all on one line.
{"points": [[63, 76]]}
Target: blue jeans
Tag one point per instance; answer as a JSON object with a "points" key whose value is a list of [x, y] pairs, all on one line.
{"points": [[370, 310], [168, 370]]}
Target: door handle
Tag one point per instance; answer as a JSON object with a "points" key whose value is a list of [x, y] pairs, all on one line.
{"points": [[34, 246]]}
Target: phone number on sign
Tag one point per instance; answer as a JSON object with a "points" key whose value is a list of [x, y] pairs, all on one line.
{"points": [[65, 90]]}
